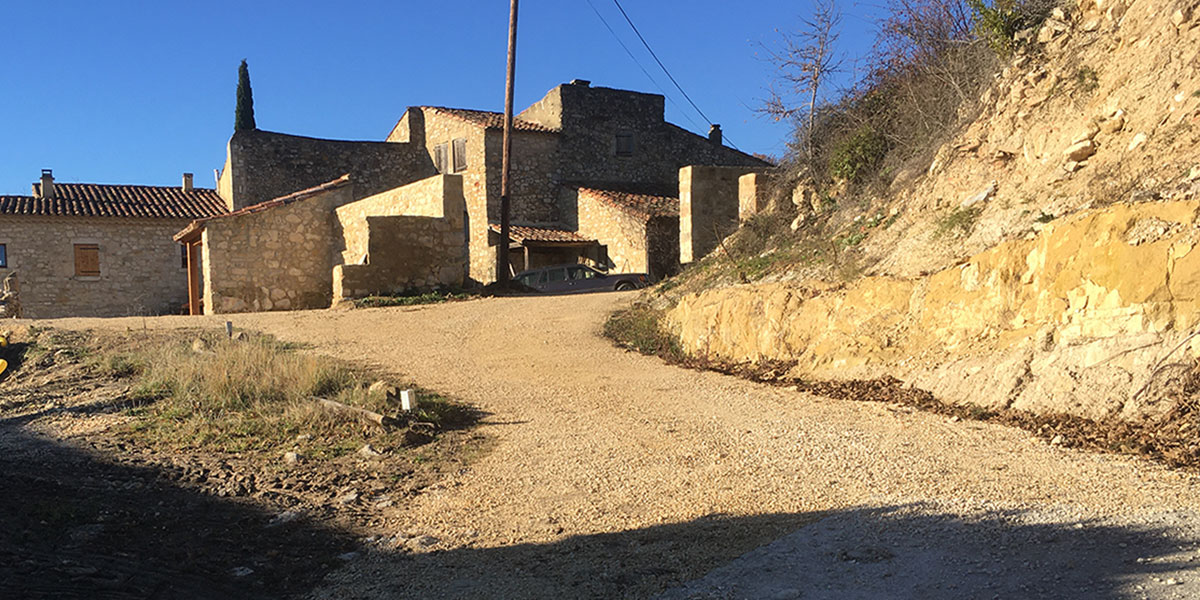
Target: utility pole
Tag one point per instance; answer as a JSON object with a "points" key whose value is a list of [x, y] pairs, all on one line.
{"points": [[502, 266]]}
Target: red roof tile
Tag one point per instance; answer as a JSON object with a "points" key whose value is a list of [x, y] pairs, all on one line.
{"points": [[198, 225], [488, 119], [99, 200], [526, 233], [641, 205]]}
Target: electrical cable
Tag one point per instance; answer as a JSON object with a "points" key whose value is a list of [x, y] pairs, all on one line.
{"points": [[639, 65], [664, 68]]}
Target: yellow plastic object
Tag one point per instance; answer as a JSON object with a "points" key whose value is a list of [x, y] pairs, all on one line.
{"points": [[3, 340], [3, 366]]}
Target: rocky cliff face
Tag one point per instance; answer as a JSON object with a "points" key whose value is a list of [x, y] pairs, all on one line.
{"points": [[1078, 288]]}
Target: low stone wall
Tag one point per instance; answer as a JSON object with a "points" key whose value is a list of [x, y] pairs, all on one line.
{"points": [[276, 259], [1072, 321], [407, 254], [141, 272]]}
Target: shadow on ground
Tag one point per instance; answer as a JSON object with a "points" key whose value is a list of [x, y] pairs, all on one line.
{"points": [[907, 552], [73, 526]]}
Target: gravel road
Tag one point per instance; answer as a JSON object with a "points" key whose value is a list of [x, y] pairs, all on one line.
{"points": [[615, 475]]}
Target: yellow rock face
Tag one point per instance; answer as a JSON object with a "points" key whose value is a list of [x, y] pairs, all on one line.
{"points": [[1109, 274]]}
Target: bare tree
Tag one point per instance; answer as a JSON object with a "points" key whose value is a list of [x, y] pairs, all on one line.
{"points": [[804, 62]]}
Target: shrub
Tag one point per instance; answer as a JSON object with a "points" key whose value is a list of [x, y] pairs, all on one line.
{"points": [[640, 328], [958, 222], [858, 155]]}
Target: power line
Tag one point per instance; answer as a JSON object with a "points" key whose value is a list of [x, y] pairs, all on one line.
{"points": [[664, 67], [639, 64]]}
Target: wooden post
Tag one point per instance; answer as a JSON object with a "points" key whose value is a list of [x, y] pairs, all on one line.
{"points": [[193, 275], [503, 266]]}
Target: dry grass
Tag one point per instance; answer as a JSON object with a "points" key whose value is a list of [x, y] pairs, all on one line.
{"points": [[256, 394]]}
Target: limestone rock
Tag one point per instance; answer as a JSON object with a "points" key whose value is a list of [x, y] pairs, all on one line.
{"points": [[1137, 141], [1113, 123], [1181, 16], [1080, 151], [291, 458]]}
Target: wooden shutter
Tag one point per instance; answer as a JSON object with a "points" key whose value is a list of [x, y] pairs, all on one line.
{"points": [[624, 143], [439, 158], [460, 154], [87, 260]]}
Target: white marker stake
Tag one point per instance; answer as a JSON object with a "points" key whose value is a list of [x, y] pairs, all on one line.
{"points": [[408, 400]]}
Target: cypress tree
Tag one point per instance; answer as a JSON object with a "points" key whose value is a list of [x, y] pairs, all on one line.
{"points": [[243, 117]]}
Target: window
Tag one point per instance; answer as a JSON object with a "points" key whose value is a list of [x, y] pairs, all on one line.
{"points": [[183, 250], [624, 143], [439, 158], [3, 256], [577, 273], [460, 154], [87, 260], [557, 275]]}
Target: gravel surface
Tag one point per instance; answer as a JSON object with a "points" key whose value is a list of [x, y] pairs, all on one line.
{"points": [[615, 475]]}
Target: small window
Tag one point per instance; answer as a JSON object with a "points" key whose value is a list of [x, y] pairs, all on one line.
{"points": [[87, 260], [557, 275], [3, 256], [439, 158], [460, 154], [624, 143], [183, 250]]}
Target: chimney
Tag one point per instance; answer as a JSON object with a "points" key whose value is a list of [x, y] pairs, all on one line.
{"points": [[581, 82], [714, 134], [47, 183], [187, 182]]}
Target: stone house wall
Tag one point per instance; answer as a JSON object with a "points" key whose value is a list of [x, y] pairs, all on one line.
{"points": [[141, 271], [590, 119], [275, 259], [708, 208], [261, 165], [623, 234], [410, 238]]}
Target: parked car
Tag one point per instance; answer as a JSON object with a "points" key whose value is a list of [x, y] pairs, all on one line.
{"points": [[571, 279]]}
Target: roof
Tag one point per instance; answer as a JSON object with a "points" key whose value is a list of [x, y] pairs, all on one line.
{"points": [[195, 227], [640, 205], [488, 119], [101, 200], [543, 235]]}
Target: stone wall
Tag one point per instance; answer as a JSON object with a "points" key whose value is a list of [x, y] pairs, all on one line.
{"points": [[590, 119], [141, 272], [410, 238], [262, 165], [276, 259], [624, 235], [1072, 321], [708, 208], [754, 193]]}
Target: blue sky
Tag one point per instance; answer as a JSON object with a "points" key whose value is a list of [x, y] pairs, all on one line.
{"points": [[140, 92]]}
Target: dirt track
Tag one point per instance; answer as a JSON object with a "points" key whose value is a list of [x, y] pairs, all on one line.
{"points": [[616, 475]]}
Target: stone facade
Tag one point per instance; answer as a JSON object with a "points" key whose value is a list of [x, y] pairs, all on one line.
{"points": [[274, 259], [140, 267], [708, 208], [261, 165], [410, 238], [754, 193], [637, 240]]}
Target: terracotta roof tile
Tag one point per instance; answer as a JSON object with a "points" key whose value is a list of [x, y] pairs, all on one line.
{"points": [[641, 205], [527, 233], [99, 200], [198, 224], [488, 119]]}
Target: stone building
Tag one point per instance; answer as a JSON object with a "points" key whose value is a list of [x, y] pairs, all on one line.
{"points": [[81, 249], [595, 179]]}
